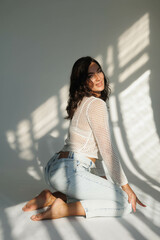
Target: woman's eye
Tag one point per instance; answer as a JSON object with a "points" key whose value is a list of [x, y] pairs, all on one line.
{"points": [[99, 70], [90, 76]]}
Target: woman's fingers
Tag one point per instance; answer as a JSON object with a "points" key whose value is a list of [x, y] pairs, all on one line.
{"points": [[134, 206], [133, 202], [140, 203]]}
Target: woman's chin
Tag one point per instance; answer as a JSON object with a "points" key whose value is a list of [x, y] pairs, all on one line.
{"points": [[98, 90], [98, 93]]}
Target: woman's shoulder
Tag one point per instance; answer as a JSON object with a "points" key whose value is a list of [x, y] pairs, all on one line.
{"points": [[94, 104], [94, 101]]}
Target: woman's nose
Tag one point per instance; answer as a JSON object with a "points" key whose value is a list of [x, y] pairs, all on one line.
{"points": [[97, 77]]}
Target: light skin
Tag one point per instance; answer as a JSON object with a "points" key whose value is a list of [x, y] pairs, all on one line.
{"points": [[57, 207], [96, 79]]}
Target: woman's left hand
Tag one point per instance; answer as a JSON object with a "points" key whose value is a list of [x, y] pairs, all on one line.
{"points": [[132, 198]]}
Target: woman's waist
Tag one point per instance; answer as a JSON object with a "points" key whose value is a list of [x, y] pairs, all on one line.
{"points": [[69, 154], [91, 153]]}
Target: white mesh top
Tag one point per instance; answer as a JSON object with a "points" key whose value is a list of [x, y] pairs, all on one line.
{"points": [[89, 133]]}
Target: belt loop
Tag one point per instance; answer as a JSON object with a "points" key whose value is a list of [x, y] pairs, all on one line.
{"points": [[70, 154]]}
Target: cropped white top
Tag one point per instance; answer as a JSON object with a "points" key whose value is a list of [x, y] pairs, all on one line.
{"points": [[89, 134]]}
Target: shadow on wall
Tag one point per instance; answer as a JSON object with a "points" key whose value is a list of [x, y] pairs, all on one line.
{"points": [[132, 116], [35, 141], [131, 106]]}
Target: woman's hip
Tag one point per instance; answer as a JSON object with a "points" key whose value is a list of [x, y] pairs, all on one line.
{"points": [[72, 160], [72, 177], [60, 171]]}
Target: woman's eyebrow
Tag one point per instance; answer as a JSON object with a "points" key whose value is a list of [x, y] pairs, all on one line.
{"points": [[93, 72]]}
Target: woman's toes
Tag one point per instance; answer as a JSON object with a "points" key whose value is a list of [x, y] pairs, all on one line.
{"points": [[26, 208], [35, 218], [39, 216]]}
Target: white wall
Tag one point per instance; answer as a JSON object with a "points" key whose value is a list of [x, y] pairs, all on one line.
{"points": [[40, 41]]}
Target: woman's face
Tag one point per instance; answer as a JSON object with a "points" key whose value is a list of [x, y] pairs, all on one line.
{"points": [[96, 77]]}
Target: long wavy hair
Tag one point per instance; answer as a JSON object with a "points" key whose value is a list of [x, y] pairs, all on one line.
{"points": [[79, 85]]}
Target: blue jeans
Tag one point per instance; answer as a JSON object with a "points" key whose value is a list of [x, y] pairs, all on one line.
{"points": [[98, 196]]}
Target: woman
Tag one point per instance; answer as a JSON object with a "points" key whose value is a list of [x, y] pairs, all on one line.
{"points": [[80, 192]]}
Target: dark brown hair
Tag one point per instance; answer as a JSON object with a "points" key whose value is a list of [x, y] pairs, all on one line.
{"points": [[79, 86]]}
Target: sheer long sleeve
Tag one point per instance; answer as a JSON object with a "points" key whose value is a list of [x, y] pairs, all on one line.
{"points": [[97, 116]]}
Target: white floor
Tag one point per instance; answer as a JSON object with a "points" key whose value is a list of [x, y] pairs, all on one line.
{"points": [[15, 224]]}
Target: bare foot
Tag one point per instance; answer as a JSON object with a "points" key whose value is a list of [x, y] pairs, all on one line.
{"points": [[57, 210], [44, 199]]}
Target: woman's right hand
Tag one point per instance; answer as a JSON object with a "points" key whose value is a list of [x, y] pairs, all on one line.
{"points": [[132, 198]]}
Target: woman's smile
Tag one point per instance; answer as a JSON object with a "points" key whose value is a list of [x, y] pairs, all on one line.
{"points": [[99, 84]]}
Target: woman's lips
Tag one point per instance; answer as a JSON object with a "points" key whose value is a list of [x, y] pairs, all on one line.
{"points": [[99, 84]]}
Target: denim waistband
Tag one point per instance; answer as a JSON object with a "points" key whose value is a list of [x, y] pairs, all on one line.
{"points": [[82, 158]]}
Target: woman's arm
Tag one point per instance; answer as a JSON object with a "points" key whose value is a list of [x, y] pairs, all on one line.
{"points": [[98, 120]]}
